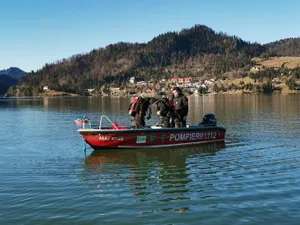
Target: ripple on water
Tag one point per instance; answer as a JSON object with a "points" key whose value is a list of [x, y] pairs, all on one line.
{"points": [[252, 178]]}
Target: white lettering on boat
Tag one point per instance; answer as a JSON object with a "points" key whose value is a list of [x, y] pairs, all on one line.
{"points": [[193, 136], [110, 138]]}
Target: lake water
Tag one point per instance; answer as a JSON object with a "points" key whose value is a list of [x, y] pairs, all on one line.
{"points": [[252, 178]]}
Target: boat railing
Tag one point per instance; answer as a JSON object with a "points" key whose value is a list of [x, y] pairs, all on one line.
{"points": [[104, 116]]}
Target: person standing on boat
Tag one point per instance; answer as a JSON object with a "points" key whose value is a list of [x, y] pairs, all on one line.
{"points": [[181, 107], [142, 109], [172, 111], [163, 110], [132, 111]]}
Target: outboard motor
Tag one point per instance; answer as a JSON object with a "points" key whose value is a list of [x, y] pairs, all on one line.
{"points": [[209, 120]]}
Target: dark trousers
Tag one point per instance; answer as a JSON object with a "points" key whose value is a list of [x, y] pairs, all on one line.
{"points": [[165, 121], [180, 121], [139, 121]]}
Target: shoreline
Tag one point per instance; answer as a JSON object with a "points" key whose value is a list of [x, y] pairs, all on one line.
{"points": [[124, 96]]}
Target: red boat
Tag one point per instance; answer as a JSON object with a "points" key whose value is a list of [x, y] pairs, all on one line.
{"points": [[116, 137]]}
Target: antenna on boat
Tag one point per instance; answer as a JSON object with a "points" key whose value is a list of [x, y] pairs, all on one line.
{"points": [[81, 122]]}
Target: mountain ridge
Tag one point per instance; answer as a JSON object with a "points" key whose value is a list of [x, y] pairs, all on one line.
{"points": [[196, 52], [13, 72]]}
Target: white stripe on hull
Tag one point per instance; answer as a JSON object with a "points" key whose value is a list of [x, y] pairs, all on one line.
{"points": [[169, 145]]}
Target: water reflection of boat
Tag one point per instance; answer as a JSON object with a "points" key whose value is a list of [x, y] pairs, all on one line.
{"points": [[153, 176], [134, 157]]}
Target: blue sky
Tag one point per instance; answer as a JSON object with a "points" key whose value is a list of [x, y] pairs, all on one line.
{"points": [[35, 32]]}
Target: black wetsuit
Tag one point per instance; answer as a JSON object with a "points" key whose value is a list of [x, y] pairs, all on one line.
{"points": [[141, 109], [181, 110]]}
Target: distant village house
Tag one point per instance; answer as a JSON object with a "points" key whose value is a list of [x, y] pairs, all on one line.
{"points": [[181, 80], [134, 80], [115, 91]]}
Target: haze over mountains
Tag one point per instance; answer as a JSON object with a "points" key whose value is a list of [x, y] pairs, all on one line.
{"points": [[10, 77], [13, 72], [198, 52]]}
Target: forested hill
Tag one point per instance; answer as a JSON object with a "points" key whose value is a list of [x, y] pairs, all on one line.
{"points": [[196, 52], [5, 82], [284, 47]]}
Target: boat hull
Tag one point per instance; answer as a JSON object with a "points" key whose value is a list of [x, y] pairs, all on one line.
{"points": [[151, 137]]}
